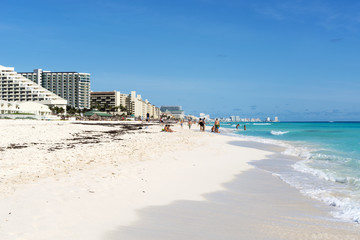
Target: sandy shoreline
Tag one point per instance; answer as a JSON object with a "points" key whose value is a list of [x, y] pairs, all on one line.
{"points": [[72, 181], [253, 206]]}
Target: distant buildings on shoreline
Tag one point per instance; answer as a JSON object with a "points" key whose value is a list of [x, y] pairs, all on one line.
{"points": [[120, 103], [236, 119], [174, 111], [204, 116], [62, 89]]}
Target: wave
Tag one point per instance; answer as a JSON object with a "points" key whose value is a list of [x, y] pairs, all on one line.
{"points": [[326, 184], [344, 207], [262, 124], [327, 174], [277, 133], [335, 188]]}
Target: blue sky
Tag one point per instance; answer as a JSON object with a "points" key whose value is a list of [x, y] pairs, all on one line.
{"points": [[299, 60]]}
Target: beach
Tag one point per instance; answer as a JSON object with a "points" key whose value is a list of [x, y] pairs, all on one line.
{"points": [[129, 180]]}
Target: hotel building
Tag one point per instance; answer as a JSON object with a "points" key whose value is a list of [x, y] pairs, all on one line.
{"points": [[135, 105], [140, 108], [16, 88], [36, 109], [176, 111], [109, 99], [72, 86]]}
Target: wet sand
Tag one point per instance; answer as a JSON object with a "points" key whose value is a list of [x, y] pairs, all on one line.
{"points": [[256, 205]]}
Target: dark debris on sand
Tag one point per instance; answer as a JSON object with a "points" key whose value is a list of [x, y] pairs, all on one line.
{"points": [[17, 146], [85, 137], [94, 137], [109, 124]]}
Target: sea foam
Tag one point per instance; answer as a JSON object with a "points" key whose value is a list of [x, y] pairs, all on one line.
{"points": [[345, 202], [276, 133]]}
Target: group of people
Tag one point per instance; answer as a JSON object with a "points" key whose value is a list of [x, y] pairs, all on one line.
{"points": [[167, 128], [238, 125], [202, 125]]}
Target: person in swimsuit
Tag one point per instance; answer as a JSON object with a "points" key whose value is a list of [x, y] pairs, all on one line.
{"points": [[201, 123], [217, 125], [167, 129]]}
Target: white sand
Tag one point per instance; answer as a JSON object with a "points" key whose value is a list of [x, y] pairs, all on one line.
{"points": [[86, 190]]}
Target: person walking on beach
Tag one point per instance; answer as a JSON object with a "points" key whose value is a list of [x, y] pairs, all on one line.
{"points": [[189, 123], [201, 123], [217, 125]]}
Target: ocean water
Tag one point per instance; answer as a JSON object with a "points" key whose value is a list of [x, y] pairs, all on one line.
{"points": [[329, 165]]}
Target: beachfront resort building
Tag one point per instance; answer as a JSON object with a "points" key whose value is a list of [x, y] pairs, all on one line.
{"points": [[153, 110], [108, 100], [141, 108], [16, 88], [176, 111], [72, 86], [23, 108], [133, 103]]}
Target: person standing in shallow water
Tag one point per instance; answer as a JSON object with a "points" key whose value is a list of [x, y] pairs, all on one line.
{"points": [[217, 125], [244, 127]]}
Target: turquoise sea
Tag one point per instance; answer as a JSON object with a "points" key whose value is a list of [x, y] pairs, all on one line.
{"points": [[329, 159]]}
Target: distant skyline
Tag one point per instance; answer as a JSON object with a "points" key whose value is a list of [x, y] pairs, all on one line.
{"points": [[298, 60]]}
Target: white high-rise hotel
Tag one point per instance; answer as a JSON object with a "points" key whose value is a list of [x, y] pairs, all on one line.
{"points": [[72, 86], [16, 88]]}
